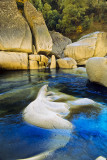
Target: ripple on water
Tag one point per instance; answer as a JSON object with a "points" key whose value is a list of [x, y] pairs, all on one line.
{"points": [[21, 140]]}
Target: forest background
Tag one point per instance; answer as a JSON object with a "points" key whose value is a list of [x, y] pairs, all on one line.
{"points": [[72, 18]]}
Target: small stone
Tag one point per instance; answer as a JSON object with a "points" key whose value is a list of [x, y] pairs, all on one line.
{"points": [[66, 63], [41, 65], [34, 57], [44, 59], [33, 64], [53, 62]]}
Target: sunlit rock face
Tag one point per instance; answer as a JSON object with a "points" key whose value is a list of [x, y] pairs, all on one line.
{"points": [[53, 62], [46, 114], [15, 34], [96, 68], [66, 63], [37, 61], [43, 40], [13, 60], [91, 45], [59, 43]]}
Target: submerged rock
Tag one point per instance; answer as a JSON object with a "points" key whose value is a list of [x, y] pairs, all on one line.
{"points": [[15, 34], [40, 156], [91, 45], [83, 102], [101, 158], [96, 68], [46, 114], [43, 40]]}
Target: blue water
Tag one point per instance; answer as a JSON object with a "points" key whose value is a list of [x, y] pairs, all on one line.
{"points": [[18, 139]]}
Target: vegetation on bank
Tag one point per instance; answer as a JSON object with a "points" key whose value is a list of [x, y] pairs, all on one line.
{"points": [[73, 17]]}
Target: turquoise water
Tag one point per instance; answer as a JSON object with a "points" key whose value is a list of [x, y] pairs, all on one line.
{"points": [[18, 139]]}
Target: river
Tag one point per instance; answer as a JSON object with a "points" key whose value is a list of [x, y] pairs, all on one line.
{"points": [[18, 139]]}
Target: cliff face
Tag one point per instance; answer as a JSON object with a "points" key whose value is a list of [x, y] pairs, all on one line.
{"points": [[15, 33], [43, 40]]}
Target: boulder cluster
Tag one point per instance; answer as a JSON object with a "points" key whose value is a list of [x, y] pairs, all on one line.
{"points": [[26, 43]]}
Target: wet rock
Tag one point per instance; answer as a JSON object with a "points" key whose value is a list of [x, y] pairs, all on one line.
{"points": [[46, 114], [100, 158]]}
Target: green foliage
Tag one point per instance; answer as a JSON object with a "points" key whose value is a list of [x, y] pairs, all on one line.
{"points": [[51, 16], [38, 4], [72, 16]]}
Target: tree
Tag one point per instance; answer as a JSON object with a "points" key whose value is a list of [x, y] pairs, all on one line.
{"points": [[51, 16], [37, 4]]}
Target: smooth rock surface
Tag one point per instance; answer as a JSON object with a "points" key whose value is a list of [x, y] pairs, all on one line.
{"points": [[15, 34], [83, 102], [66, 63], [88, 46], [59, 43], [53, 62], [43, 40], [13, 60], [96, 68], [33, 64], [101, 45], [101, 158], [42, 65], [46, 114], [34, 57], [44, 59]]}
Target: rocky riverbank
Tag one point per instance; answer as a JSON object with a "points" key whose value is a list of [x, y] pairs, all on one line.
{"points": [[26, 43]]}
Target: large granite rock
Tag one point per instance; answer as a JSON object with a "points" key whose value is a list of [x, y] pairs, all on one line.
{"points": [[91, 45], [96, 68], [59, 43], [15, 33], [43, 40], [66, 63], [13, 60]]}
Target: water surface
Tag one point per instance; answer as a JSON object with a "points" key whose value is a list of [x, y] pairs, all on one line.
{"points": [[21, 140]]}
